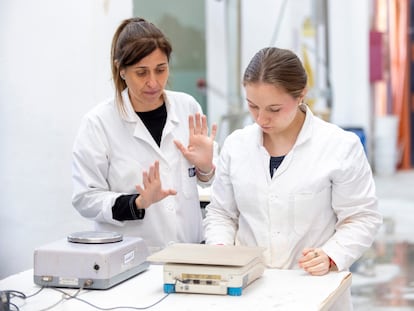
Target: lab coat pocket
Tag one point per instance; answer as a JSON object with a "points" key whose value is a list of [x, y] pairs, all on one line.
{"points": [[309, 211], [188, 180]]}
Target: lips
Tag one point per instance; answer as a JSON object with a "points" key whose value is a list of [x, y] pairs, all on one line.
{"points": [[152, 93]]}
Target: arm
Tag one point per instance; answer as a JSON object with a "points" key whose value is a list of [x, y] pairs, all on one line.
{"points": [[222, 215], [92, 196], [355, 204]]}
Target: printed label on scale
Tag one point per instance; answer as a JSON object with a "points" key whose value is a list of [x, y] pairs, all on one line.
{"points": [[68, 281]]}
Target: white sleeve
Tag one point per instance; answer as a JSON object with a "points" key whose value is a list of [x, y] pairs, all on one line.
{"points": [[91, 196], [222, 215], [356, 206]]}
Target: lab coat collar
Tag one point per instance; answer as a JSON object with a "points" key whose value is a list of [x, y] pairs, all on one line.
{"points": [[172, 115], [304, 135], [305, 132], [129, 114], [140, 130]]}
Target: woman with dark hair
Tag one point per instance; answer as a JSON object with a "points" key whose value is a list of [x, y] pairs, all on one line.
{"points": [[131, 172], [296, 185]]}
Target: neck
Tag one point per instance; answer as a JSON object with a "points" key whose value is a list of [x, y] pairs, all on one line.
{"points": [[140, 106], [281, 143]]}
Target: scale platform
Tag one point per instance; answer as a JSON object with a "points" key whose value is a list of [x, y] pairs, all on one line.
{"points": [[209, 269], [90, 260]]}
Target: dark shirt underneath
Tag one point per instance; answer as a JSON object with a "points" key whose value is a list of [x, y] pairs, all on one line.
{"points": [[154, 121], [274, 164]]}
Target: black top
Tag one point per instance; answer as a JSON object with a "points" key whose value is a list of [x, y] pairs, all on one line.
{"points": [[274, 164], [124, 207], [154, 121]]}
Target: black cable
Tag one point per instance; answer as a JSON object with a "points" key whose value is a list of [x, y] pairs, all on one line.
{"points": [[9, 294], [35, 293], [67, 296], [15, 306], [15, 293]]}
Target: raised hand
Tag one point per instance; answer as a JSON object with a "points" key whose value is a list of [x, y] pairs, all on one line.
{"points": [[200, 146], [151, 191]]}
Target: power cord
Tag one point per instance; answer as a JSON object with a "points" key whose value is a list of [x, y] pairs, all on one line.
{"points": [[5, 300]]}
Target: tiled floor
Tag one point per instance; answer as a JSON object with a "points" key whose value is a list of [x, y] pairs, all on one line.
{"points": [[383, 279]]}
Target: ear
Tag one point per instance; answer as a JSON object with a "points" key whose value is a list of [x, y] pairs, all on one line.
{"points": [[122, 74], [303, 94]]}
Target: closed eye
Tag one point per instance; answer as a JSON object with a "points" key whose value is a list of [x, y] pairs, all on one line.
{"points": [[161, 70]]}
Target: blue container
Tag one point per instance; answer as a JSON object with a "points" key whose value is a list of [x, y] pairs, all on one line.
{"points": [[361, 134]]}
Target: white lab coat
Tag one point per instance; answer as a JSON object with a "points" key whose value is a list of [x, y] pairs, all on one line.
{"points": [[322, 195], [109, 155]]}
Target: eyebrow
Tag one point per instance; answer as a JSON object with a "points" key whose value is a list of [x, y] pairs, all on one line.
{"points": [[274, 105], [144, 67]]}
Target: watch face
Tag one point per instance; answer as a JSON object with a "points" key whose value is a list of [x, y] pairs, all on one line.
{"points": [[95, 237]]}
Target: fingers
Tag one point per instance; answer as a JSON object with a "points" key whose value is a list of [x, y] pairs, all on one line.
{"points": [[157, 170], [306, 250], [319, 269], [197, 124], [170, 192], [151, 174], [145, 179], [213, 132], [151, 190], [314, 261], [180, 147], [191, 124]]}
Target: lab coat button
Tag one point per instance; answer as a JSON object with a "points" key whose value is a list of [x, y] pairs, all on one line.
{"points": [[170, 207]]}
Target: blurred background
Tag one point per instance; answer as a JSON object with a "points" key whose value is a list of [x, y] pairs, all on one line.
{"points": [[55, 66]]}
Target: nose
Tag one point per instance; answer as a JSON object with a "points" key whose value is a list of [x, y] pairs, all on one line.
{"points": [[261, 118], [152, 81]]}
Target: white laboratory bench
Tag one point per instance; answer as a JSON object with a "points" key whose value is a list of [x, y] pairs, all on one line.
{"points": [[274, 290]]}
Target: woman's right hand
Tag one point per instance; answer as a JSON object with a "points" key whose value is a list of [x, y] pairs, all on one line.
{"points": [[152, 191], [201, 145]]}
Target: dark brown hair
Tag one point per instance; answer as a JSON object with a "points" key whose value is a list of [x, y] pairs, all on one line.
{"points": [[279, 67], [134, 39]]}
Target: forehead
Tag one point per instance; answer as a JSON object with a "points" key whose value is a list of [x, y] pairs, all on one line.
{"points": [[156, 58], [266, 94]]}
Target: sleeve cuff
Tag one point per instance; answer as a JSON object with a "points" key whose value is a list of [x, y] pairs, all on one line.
{"points": [[137, 213]]}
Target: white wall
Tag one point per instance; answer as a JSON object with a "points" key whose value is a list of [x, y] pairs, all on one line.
{"points": [[349, 52], [54, 64]]}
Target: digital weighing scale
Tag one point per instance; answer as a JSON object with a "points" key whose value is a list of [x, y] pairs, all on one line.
{"points": [[209, 269], [90, 259]]}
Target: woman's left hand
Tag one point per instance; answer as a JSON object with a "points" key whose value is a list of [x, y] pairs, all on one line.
{"points": [[315, 261], [200, 147]]}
